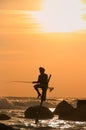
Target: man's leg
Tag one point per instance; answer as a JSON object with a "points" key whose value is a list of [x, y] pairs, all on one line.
{"points": [[36, 88]]}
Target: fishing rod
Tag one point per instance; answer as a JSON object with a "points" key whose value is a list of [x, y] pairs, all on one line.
{"points": [[22, 81], [50, 88], [29, 81]]}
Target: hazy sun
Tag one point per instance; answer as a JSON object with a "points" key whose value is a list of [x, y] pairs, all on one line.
{"points": [[60, 16]]}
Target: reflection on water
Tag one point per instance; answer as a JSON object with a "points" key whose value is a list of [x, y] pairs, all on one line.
{"points": [[18, 121], [19, 105]]}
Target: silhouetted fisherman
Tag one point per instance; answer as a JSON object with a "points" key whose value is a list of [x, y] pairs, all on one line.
{"points": [[42, 83]]}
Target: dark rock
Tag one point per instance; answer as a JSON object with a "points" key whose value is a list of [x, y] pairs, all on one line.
{"points": [[67, 112], [81, 110], [81, 103], [32, 112], [5, 127], [63, 109], [4, 117]]}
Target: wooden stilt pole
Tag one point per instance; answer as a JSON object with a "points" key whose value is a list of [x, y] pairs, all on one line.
{"points": [[38, 114]]}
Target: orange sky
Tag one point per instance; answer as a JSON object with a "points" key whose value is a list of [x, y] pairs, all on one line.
{"points": [[26, 43]]}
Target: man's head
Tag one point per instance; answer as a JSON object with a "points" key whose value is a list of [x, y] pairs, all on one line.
{"points": [[41, 69]]}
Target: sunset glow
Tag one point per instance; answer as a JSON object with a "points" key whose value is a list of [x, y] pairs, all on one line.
{"points": [[48, 33], [60, 16]]}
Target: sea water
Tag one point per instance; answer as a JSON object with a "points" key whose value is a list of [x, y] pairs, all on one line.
{"points": [[16, 106]]}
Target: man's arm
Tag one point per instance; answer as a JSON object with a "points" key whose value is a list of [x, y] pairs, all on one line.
{"points": [[35, 82]]}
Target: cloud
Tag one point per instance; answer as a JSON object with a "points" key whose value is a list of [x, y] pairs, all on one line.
{"points": [[21, 4], [11, 52], [11, 55], [17, 21]]}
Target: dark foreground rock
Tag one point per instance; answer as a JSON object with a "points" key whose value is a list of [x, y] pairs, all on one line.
{"points": [[5, 127], [4, 117], [32, 112], [67, 112]]}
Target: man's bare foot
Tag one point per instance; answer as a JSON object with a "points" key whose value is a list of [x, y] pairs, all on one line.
{"points": [[39, 95]]}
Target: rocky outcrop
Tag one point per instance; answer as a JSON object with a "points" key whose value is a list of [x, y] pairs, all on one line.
{"points": [[64, 110], [81, 103], [4, 117], [32, 112], [67, 112], [81, 110]]}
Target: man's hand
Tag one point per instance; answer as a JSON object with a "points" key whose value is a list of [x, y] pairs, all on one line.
{"points": [[34, 82]]}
